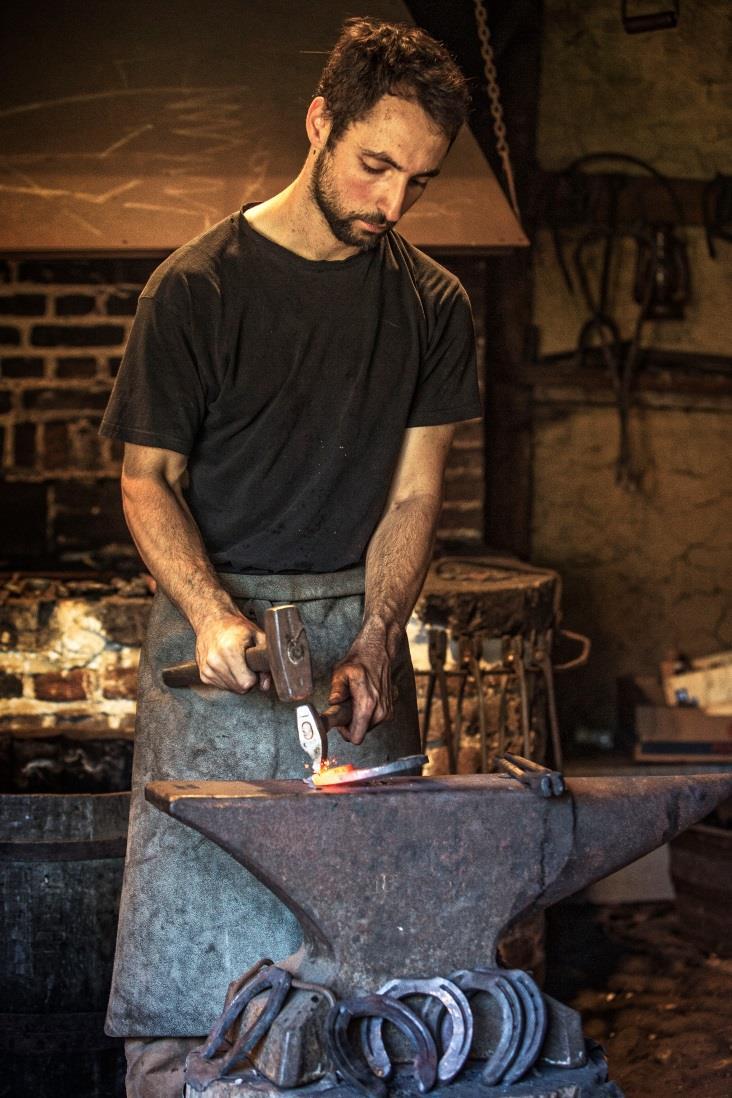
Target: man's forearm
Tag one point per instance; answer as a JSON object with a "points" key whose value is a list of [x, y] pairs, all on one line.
{"points": [[171, 546], [396, 563]]}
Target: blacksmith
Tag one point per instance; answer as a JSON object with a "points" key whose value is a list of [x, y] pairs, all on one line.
{"points": [[287, 401]]}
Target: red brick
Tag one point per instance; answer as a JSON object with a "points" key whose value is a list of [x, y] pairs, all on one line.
{"points": [[24, 445], [76, 367], [122, 304], [60, 687], [25, 536], [57, 446], [9, 335], [75, 305], [21, 366], [76, 335], [13, 722], [76, 399], [121, 683], [23, 304], [11, 686], [125, 622]]}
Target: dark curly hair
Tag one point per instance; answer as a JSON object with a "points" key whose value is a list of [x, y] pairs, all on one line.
{"points": [[372, 59]]}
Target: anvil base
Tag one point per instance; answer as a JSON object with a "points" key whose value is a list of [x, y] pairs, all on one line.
{"points": [[589, 1081]]}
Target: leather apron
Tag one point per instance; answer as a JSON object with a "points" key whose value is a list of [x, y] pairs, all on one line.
{"points": [[191, 918]]}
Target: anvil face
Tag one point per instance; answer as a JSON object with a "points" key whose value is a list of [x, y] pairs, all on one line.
{"points": [[416, 876]]}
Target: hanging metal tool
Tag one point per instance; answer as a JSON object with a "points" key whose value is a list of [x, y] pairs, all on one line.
{"points": [[661, 284], [643, 22], [437, 651]]}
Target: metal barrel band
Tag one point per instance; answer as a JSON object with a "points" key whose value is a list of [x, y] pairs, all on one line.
{"points": [[441, 995], [493, 982], [409, 1024]]}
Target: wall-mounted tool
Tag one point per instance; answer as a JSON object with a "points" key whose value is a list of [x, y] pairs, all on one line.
{"points": [[437, 653], [662, 277], [643, 21]]}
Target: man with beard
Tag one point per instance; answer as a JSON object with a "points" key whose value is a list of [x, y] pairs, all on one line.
{"points": [[287, 401]]}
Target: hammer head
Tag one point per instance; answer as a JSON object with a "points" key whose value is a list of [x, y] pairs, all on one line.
{"points": [[288, 653]]}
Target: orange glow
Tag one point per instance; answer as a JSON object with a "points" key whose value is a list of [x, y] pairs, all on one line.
{"points": [[332, 775]]}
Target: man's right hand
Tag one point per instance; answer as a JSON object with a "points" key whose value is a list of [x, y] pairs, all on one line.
{"points": [[221, 644]]}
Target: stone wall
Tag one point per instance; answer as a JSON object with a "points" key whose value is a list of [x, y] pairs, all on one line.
{"points": [[663, 97], [645, 570]]}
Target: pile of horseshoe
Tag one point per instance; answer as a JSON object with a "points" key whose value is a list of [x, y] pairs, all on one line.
{"points": [[439, 1029]]}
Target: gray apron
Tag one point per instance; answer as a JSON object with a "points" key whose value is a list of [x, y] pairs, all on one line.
{"points": [[191, 918]]}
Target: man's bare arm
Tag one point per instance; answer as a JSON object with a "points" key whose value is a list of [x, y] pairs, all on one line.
{"points": [[398, 556], [171, 546]]}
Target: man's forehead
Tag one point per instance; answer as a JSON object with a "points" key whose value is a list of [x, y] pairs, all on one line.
{"points": [[401, 129], [398, 110]]}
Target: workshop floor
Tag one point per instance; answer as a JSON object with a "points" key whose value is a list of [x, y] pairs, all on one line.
{"points": [[660, 1006]]}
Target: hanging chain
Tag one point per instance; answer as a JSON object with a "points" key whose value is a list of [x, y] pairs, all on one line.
{"points": [[494, 94]]}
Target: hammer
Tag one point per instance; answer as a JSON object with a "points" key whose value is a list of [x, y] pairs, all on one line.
{"points": [[286, 656]]}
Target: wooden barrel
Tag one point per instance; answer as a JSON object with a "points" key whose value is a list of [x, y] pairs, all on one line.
{"points": [[701, 871], [61, 862]]}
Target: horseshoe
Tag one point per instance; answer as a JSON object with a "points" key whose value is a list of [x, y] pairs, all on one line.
{"points": [[509, 1043], [339, 1019], [535, 1013], [278, 980], [442, 995]]}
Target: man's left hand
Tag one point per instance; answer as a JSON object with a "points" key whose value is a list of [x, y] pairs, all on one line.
{"points": [[364, 679]]}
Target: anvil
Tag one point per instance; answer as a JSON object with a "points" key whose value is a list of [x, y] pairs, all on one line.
{"points": [[413, 877]]}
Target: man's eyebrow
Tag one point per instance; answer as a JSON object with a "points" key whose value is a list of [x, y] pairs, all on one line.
{"points": [[393, 164]]}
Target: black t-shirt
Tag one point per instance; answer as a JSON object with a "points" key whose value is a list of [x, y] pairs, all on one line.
{"points": [[289, 383]]}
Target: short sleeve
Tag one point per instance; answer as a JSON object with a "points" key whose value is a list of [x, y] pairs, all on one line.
{"points": [[160, 394], [448, 388]]}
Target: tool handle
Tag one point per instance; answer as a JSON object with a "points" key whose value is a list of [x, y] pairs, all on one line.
{"points": [[338, 715], [186, 673]]}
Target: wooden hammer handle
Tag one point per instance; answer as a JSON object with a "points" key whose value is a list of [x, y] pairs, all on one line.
{"points": [[186, 673], [338, 715]]}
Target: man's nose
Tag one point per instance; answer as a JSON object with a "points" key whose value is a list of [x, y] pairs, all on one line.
{"points": [[392, 199]]}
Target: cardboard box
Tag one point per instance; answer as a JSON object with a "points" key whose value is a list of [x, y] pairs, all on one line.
{"points": [[707, 687], [676, 734], [666, 733]]}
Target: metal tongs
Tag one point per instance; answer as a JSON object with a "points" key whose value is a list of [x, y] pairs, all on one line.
{"points": [[539, 779]]}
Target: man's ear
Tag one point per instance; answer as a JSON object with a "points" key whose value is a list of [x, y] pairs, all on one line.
{"points": [[318, 123]]}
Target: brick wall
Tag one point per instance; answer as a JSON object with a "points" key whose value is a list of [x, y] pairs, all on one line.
{"points": [[63, 327], [69, 651]]}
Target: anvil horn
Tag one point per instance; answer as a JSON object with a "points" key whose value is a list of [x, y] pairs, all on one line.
{"points": [[619, 819]]}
